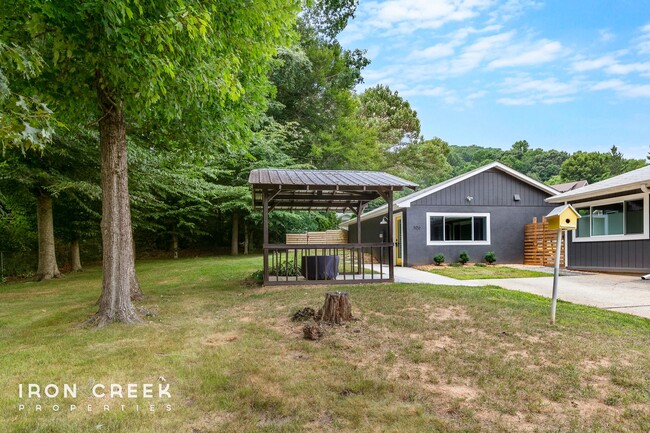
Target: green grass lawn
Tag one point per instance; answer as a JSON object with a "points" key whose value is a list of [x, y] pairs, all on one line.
{"points": [[420, 358], [470, 272]]}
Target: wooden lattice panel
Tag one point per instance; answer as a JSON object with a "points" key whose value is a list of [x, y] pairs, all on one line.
{"points": [[311, 238], [539, 244]]}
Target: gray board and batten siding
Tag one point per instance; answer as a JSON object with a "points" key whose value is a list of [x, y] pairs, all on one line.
{"points": [[492, 192], [609, 256]]}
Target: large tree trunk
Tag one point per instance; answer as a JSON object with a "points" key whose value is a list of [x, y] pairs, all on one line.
{"points": [[175, 245], [75, 256], [246, 238], [119, 281], [234, 240], [47, 267]]}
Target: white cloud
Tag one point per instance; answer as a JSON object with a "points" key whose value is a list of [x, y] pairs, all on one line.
{"points": [[624, 69], [484, 48], [547, 86], [605, 35], [516, 101], [404, 17], [407, 16], [624, 89], [593, 64], [525, 90], [435, 51], [527, 54], [644, 41], [511, 9]]}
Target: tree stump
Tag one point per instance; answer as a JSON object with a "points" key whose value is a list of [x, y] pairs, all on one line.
{"points": [[337, 308]]}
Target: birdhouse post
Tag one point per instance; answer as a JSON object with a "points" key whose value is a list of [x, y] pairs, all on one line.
{"points": [[561, 218]]}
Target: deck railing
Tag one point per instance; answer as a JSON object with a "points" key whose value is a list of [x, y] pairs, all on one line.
{"points": [[327, 263]]}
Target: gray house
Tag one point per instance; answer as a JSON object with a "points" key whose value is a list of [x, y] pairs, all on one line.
{"points": [[613, 232], [480, 211]]}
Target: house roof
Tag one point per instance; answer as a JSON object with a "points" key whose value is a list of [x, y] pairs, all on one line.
{"points": [[570, 186], [321, 189], [296, 179], [406, 201], [632, 180]]}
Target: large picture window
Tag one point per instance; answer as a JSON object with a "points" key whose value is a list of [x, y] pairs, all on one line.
{"points": [[613, 219], [458, 228]]}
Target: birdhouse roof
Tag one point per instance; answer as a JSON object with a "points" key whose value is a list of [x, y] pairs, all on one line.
{"points": [[561, 209]]}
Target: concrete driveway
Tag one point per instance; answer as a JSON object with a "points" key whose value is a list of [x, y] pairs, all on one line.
{"points": [[624, 293]]}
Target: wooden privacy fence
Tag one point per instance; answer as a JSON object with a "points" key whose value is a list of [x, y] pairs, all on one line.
{"points": [[539, 244], [326, 237]]}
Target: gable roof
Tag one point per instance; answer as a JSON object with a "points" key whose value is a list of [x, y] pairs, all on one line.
{"points": [[636, 179], [570, 186], [406, 201], [558, 210]]}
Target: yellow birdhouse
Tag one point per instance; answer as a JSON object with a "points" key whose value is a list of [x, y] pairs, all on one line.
{"points": [[563, 218]]}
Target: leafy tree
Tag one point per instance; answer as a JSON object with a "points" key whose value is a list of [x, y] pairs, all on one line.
{"points": [[590, 166], [120, 58], [62, 168], [391, 116], [314, 83], [424, 162], [26, 122]]}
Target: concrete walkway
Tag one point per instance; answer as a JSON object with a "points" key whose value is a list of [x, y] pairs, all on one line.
{"points": [[624, 293]]}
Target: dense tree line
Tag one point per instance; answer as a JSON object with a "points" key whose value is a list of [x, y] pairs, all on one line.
{"points": [[549, 166]]}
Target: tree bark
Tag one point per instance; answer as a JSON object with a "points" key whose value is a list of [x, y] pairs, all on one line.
{"points": [[234, 241], [47, 267], [175, 245], [337, 308], [246, 238], [75, 256], [119, 280]]}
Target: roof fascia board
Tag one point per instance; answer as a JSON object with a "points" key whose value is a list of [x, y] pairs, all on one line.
{"points": [[561, 198], [469, 174]]}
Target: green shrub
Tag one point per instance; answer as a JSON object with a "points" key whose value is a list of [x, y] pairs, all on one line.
{"points": [[439, 259], [258, 277], [286, 269], [480, 265], [463, 257], [490, 257]]}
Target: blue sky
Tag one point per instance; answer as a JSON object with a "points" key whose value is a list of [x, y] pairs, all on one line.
{"points": [[569, 75]]}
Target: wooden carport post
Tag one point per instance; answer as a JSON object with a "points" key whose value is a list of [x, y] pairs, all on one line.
{"points": [[391, 259], [359, 211], [265, 240]]}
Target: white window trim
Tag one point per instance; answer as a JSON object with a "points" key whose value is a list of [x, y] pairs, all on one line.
{"points": [[453, 214], [639, 236]]}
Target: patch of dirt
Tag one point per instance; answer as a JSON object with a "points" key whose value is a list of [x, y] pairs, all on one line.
{"points": [[210, 422], [452, 391], [324, 421], [268, 421], [217, 340], [513, 354], [595, 365], [449, 313], [442, 343]]}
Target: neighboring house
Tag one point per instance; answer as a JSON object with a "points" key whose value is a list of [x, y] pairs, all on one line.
{"points": [[570, 186], [480, 211], [613, 232]]}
